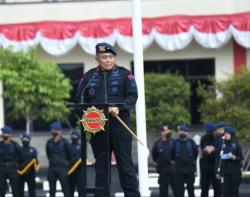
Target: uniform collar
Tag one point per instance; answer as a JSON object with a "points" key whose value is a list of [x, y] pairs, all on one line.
{"points": [[57, 140], [8, 142], [98, 68]]}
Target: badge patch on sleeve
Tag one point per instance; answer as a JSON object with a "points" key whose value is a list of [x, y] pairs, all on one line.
{"points": [[114, 89], [131, 76], [91, 91]]}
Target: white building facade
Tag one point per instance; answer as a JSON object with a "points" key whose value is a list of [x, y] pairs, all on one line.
{"points": [[192, 39]]}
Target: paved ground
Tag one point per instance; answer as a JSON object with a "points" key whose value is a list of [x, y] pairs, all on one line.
{"points": [[42, 186]]}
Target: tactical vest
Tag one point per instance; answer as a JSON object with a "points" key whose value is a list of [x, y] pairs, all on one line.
{"points": [[233, 146], [164, 150], [189, 148], [58, 153], [10, 155]]}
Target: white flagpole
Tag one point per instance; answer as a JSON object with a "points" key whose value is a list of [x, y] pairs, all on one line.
{"points": [[140, 106]]}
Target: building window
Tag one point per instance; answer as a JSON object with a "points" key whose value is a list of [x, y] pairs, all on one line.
{"points": [[74, 71], [193, 70]]}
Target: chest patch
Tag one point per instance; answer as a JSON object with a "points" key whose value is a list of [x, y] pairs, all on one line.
{"points": [[91, 91]]}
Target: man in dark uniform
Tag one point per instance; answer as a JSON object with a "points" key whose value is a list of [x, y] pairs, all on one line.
{"points": [[59, 155], [229, 162], [10, 155], [207, 161], [185, 153], [162, 155], [75, 176], [219, 132], [29, 154], [110, 83]]}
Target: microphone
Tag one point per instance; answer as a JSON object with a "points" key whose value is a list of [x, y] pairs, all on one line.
{"points": [[105, 87], [81, 89]]}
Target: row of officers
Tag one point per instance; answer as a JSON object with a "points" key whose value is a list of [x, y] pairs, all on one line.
{"points": [[220, 162], [19, 164]]}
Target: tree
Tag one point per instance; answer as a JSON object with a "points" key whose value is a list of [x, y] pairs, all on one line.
{"points": [[33, 88], [229, 101], [166, 96]]}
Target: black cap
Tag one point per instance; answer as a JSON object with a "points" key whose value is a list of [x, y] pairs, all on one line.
{"points": [[26, 135], [75, 132], [105, 48], [220, 124], [229, 130], [183, 127], [209, 127], [165, 127], [7, 129], [56, 126]]}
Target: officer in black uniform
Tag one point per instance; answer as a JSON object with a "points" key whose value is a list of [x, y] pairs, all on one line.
{"points": [[59, 156], [29, 154], [162, 156], [10, 155], [219, 128], [185, 153], [219, 132], [110, 83], [229, 163], [75, 176], [207, 161]]}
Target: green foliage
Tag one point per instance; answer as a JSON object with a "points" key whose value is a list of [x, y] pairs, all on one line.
{"points": [[33, 88], [229, 101], [166, 97]]}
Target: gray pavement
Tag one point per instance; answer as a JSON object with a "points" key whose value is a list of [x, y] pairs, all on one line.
{"points": [[116, 188]]}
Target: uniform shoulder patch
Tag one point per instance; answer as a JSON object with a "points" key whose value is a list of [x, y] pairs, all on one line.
{"points": [[122, 68], [90, 71], [131, 76]]}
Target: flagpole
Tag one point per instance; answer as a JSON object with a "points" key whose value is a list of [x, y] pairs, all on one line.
{"points": [[140, 106]]}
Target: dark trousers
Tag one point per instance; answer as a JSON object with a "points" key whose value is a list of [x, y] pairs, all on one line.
{"points": [[13, 178], [208, 177], [121, 144], [75, 182], [29, 178], [166, 179], [180, 180], [231, 185], [60, 173]]}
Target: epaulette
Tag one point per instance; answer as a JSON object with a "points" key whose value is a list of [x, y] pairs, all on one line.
{"points": [[13, 142], [122, 68], [90, 71]]}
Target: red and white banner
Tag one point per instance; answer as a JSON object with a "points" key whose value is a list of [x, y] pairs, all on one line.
{"points": [[171, 33]]}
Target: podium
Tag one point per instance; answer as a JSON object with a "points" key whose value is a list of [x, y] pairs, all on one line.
{"points": [[80, 108]]}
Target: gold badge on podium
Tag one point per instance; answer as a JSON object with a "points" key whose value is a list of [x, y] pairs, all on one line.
{"points": [[93, 120]]}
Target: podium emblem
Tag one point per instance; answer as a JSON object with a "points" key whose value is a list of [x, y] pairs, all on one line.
{"points": [[93, 120]]}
